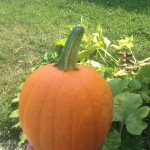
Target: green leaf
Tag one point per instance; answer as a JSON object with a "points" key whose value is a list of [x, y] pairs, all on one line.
{"points": [[20, 87], [99, 29], [61, 42], [47, 57], [84, 54], [146, 80], [118, 86], [126, 43], [97, 42], [128, 111], [107, 73], [113, 141], [125, 104], [50, 57], [16, 125], [15, 100], [103, 42], [145, 96], [107, 42], [22, 139], [137, 125], [132, 143], [14, 114], [144, 72], [135, 84], [92, 46]]}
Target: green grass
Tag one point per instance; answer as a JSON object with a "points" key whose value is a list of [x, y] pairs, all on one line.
{"points": [[29, 28]]}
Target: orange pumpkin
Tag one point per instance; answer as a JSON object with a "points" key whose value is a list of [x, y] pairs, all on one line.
{"points": [[66, 106]]}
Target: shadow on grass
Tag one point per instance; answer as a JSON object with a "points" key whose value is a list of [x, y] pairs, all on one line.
{"points": [[130, 5]]}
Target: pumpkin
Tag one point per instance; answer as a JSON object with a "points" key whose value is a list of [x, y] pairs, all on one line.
{"points": [[66, 106]]}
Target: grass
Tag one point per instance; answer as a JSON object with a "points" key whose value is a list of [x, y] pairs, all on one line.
{"points": [[29, 28]]}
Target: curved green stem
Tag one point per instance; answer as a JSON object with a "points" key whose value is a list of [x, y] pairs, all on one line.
{"points": [[68, 58]]}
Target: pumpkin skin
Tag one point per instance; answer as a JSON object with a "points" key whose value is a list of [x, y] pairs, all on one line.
{"points": [[66, 110]]}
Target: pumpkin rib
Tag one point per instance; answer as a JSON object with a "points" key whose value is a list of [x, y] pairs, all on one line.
{"points": [[67, 83], [105, 86], [25, 115], [54, 110], [22, 109], [92, 105], [30, 91], [71, 136], [71, 112], [90, 102], [56, 72], [72, 120], [39, 124], [39, 89], [54, 124], [78, 85], [26, 103], [55, 118]]}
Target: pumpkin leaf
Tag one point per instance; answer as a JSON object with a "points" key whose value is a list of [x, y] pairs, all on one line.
{"points": [[128, 110], [107, 73], [132, 143], [143, 72], [103, 43], [135, 84], [16, 125], [145, 96], [126, 43], [20, 87], [47, 57], [145, 89], [113, 141], [146, 80], [84, 54], [15, 100], [22, 139], [97, 41], [137, 121], [14, 114], [61, 42], [99, 29], [92, 46], [118, 86]]}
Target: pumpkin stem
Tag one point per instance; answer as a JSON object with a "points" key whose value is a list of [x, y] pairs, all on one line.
{"points": [[68, 58]]}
